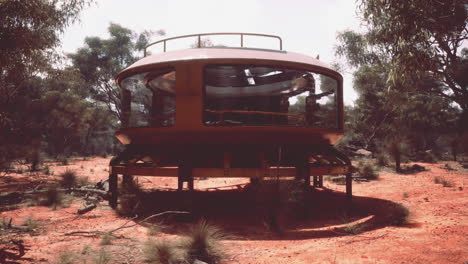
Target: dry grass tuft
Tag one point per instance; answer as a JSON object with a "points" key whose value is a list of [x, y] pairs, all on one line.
{"points": [[161, 252], [203, 243]]}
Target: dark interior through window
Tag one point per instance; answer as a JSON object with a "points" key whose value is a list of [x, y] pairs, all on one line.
{"points": [[148, 99], [246, 95]]}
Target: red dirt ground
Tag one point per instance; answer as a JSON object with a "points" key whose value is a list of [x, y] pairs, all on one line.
{"points": [[437, 232]]}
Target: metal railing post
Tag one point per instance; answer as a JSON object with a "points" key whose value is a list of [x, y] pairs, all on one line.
{"points": [[199, 44]]}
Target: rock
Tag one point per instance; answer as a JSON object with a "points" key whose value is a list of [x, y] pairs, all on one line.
{"points": [[363, 152], [199, 262]]}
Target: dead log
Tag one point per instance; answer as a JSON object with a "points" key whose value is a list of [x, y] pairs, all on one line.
{"points": [[86, 209]]}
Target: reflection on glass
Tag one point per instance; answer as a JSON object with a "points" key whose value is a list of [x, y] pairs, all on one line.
{"points": [[246, 95], [148, 99]]}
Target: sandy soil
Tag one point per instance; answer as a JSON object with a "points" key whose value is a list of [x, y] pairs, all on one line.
{"points": [[437, 231]]}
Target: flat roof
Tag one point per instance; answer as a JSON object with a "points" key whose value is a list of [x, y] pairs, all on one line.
{"points": [[225, 53]]}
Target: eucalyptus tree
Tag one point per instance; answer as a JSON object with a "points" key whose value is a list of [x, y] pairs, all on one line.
{"points": [[100, 60]]}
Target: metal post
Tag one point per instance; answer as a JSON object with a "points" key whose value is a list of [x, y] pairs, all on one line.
{"points": [[242, 40], [164, 46], [349, 186], [113, 190], [185, 175], [316, 181], [199, 41]]}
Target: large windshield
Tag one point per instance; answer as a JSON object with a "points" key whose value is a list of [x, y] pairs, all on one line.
{"points": [[148, 99], [246, 95]]}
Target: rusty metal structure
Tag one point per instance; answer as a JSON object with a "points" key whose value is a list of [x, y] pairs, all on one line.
{"points": [[230, 112]]}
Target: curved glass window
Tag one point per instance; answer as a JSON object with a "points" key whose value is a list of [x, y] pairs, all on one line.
{"points": [[148, 99], [246, 95]]}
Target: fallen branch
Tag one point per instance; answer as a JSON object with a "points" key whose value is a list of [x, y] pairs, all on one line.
{"points": [[86, 209], [101, 233]]}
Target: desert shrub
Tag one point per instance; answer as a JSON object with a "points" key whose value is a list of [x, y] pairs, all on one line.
{"points": [[368, 170], [278, 200], [153, 230], [68, 179], [85, 249], [106, 239], [66, 257], [102, 258], [405, 195], [161, 252], [103, 155], [382, 159], [340, 180], [397, 147], [46, 170], [32, 226], [129, 200], [447, 183], [203, 243], [443, 181], [51, 197], [399, 215], [63, 160], [354, 229], [425, 156], [80, 181]]}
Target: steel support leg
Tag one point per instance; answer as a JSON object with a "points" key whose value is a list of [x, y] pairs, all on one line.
{"points": [[185, 175], [126, 181], [316, 181], [113, 190], [349, 186]]}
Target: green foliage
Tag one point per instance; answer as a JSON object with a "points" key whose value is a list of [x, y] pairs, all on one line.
{"points": [[421, 38], [100, 60], [30, 30], [408, 72]]}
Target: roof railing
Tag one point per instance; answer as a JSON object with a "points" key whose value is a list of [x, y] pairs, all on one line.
{"points": [[199, 43]]}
